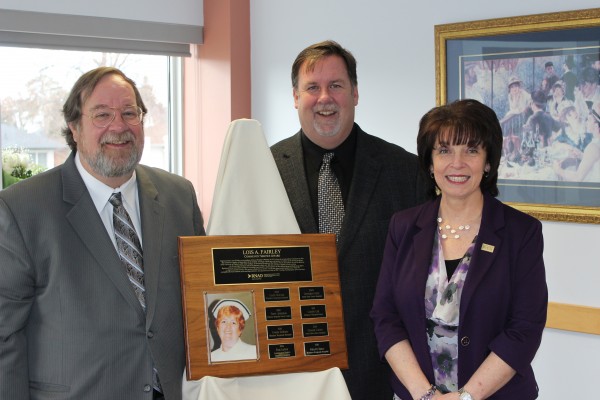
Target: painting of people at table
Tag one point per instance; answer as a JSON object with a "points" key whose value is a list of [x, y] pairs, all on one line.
{"points": [[545, 105]]}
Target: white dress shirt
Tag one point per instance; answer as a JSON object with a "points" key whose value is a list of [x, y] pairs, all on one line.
{"points": [[100, 194]]}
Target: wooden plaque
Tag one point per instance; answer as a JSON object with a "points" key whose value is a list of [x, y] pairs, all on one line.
{"points": [[286, 288]]}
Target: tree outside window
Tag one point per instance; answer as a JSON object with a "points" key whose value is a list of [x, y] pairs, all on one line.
{"points": [[34, 87]]}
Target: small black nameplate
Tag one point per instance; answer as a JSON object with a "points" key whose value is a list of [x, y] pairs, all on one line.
{"points": [[313, 311], [277, 294], [316, 349], [280, 331], [316, 329], [277, 313], [312, 293], [261, 264], [283, 350]]}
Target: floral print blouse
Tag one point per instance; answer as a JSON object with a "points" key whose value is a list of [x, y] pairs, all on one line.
{"points": [[442, 306]]}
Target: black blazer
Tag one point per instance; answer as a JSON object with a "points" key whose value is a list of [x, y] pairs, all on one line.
{"points": [[386, 179]]}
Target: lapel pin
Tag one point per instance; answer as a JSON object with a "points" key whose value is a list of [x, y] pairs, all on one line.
{"points": [[487, 247]]}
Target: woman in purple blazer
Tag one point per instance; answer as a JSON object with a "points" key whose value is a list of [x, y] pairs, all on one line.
{"points": [[461, 300]]}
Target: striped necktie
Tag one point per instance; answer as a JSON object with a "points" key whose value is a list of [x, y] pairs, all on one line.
{"points": [[331, 205], [129, 247], [130, 253]]}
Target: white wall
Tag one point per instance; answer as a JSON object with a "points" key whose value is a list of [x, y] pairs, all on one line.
{"points": [[394, 44]]}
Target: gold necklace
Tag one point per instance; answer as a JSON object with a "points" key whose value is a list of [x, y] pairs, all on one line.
{"points": [[446, 230]]}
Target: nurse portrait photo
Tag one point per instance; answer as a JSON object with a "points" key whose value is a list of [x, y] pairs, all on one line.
{"points": [[233, 335]]}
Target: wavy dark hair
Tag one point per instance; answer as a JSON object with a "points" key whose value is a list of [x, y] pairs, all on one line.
{"points": [[318, 51], [462, 122], [81, 91]]}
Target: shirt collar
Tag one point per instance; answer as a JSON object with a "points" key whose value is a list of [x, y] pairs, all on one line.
{"points": [[344, 153], [101, 192]]}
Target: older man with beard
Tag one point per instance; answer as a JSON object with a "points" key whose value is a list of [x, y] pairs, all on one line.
{"points": [[90, 301], [374, 179]]}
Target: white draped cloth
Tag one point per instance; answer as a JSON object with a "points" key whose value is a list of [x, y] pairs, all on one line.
{"points": [[250, 199], [327, 384]]}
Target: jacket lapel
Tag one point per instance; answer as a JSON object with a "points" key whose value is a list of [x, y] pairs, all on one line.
{"points": [[88, 225], [364, 181], [294, 174], [486, 248], [152, 215], [422, 246]]}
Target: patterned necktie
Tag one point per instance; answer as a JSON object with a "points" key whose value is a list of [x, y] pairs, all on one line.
{"points": [[331, 205], [128, 245], [130, 252]]}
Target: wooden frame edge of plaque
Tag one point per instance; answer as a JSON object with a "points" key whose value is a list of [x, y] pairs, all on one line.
{"points": [[286, 298]]}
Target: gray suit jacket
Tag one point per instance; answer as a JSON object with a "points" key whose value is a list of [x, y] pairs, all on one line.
{"points": [[386, 179], [70, 324]]}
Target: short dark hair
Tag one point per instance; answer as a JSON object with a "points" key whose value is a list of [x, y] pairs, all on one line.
{"points": [[539, 98], [589, 75], [318, 51], [462, 122], [82, 89], [569, 62]]}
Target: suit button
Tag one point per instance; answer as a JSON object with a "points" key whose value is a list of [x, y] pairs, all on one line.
{"points": [[465, 341], [147, 388], [150, 334]]}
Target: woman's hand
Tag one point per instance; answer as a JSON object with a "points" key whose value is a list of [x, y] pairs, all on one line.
{"points": [[447, 396]]}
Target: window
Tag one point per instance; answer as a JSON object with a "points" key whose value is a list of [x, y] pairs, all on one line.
{"points": [[35, 83]]}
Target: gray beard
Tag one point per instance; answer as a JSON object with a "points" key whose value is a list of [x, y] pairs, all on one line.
{"points": [[107, 167]]}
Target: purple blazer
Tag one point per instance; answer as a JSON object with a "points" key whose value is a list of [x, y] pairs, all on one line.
{"points": [[503, 304]]}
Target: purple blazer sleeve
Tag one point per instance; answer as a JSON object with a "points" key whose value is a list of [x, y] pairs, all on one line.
{"points": [[521, 305]]}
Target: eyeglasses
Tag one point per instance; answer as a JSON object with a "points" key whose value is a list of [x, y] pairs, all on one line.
{"points": [[104, 116]]}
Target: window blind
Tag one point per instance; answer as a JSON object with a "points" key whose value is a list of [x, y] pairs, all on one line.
{"points": [[78, 32]]}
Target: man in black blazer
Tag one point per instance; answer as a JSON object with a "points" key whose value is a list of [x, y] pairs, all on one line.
{"points": [[71, 324], [376, 179]]}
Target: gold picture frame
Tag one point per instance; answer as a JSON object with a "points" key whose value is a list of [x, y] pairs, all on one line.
{"points": [[523, 42]]}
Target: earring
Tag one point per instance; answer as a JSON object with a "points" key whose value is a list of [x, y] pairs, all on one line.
{"points": [[486, 174]]}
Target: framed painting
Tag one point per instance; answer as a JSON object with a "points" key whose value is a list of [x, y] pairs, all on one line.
{"points": [[541, 75]]}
